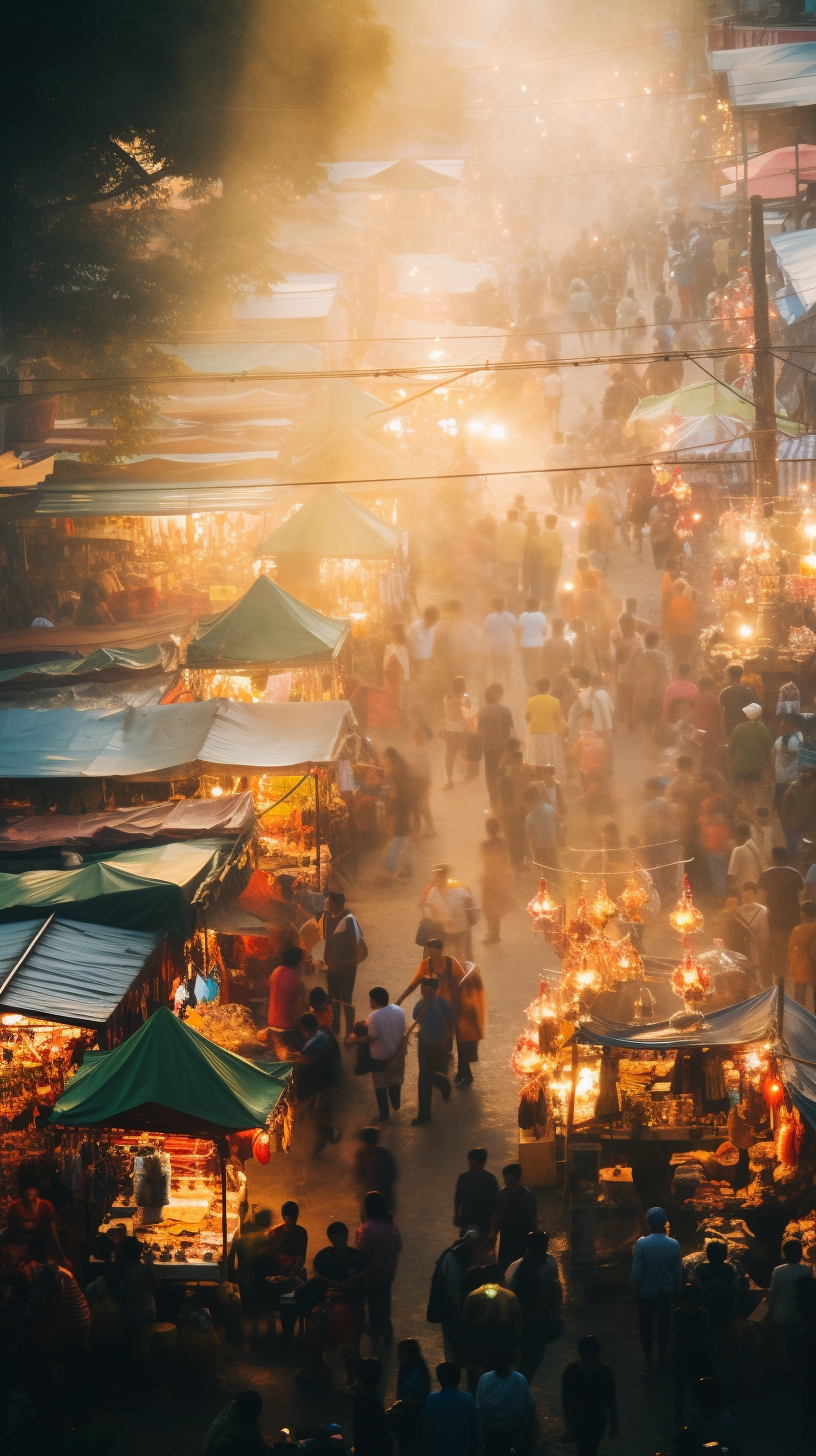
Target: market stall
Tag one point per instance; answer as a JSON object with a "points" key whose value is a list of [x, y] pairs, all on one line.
{"points": [[228, 816], [341, 557], [267, 646], [162, 1106], [61, 986]]}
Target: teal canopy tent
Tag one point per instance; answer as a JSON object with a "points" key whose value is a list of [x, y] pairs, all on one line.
{"points": [[266, 628]]}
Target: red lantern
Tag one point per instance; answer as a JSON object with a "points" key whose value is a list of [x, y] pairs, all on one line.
{"points": [[261, 1147], [773, 1091]]}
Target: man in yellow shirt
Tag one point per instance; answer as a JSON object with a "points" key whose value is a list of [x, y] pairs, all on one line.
{"points": [[545, 729]]}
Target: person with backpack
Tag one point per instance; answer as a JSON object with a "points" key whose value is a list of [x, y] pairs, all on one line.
{"points": [[445, 1299], [344, 949]]}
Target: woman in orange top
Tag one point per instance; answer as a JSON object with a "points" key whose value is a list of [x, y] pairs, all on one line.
{"points": [[802, 953], [680, 623]]}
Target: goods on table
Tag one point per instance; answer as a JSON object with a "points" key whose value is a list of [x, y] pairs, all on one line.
{"points": [[230, 1026], [803, 1229], [187, 1228]]}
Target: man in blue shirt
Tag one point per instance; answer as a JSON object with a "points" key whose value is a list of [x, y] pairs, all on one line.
{"points": [[656, 1278], [541, 829], [450, 1423], [436, 1027]]}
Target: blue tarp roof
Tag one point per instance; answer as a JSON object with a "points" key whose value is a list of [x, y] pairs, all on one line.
{"points": [[796, 255], [748, 1021], [74, 973]]}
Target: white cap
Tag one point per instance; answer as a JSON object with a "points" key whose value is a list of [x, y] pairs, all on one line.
{"points": [[752, 710]]}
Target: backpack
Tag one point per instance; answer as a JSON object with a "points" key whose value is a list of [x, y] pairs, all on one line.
{"points": [[440, 1306]]}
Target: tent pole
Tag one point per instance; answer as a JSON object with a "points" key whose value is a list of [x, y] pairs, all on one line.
{"points": [[780, 1007], [570, 1116], [222, 1154], [317, 825]]}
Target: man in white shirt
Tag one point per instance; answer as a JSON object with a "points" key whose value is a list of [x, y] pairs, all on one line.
{"points": [[420, 639], [783, 1306], [385, 1025], [499, 634], [745, 863], [755, 915], [532, 627]]}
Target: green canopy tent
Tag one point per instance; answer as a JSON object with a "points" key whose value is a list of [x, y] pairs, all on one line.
{"points": [[266, 628], [149, 889], [332, 527], [708, 397], [168, 1078]]}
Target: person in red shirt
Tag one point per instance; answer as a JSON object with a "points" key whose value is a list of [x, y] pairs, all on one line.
{"points": [[707, 714], [287, 994], [27, 1216]]}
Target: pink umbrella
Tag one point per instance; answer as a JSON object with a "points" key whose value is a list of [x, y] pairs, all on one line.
{"points": [[773, 174]]}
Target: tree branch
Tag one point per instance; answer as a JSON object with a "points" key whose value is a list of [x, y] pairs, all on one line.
{"points": [[141, 178]]}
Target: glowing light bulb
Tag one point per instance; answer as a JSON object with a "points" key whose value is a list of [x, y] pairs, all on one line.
{"points": [[216, 791], [745, 631]]}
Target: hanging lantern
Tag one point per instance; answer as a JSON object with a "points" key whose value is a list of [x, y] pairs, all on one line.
{"points": [[543, 907], [261, 1147], [580, 927], [632, 899], [685, 918], [602, 908], [690, 980], [628, 962], [773, 1090]]}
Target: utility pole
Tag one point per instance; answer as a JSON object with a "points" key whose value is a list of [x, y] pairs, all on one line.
{"points": [[764, 430]]}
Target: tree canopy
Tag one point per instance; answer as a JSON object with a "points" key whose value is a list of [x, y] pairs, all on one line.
{"points": [[147, 145]]}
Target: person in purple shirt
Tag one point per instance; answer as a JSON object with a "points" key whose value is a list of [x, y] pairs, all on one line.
{"points": [[656, 1276], [378, 1238], [451, 1421]]}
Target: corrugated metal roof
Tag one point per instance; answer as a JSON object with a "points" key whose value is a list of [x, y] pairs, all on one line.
{"points": [[76, 973]]}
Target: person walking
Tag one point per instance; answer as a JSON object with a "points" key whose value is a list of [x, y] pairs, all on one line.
{"points": [[371, 1432], [420, 641], [375, 1167], [511, 536], [535, 1281], [317, 1073], [532, 627], [380, 1244], [588, 1397], [552, 395], [499, 638], [680, 624], [343, 950], [692, 1357], [656, 1277], [733, 699], [650, 679], [802, 955], [413, 1388], [457, 712], [399, 809], [552, 556], [532, 561], [780, 886], [287, 993], [476, 1196], [434, 1037], [556, 654], [511, 801], [451, 1421], [447, 905], [783, 1309], [470, 1023], [419, 768], [541, 828], [506, 1408], [496, 887], [545, 728], [750, 748], [515, 1216], [385, 1037], [494, 724]]}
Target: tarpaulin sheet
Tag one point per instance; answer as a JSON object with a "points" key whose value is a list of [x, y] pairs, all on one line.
{"points": [[267, 628], [340, 403], [796, 255], [159, 627], [332, 526], [75, 973], [165, 498], [708, 398], [748, 1021], [174, 741], [183, 819], [245, 357], [348, 455], [773, 77], [147, 889], [106, 664], [169, 1078], [799, 1038]]}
